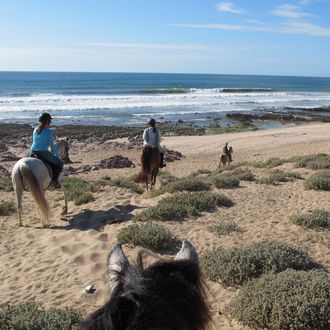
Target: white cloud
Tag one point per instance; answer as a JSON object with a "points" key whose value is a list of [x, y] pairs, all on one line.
{"points": [[222, 27], [145, 46], [289, 11], [229, 7], [305, 2], [305, 28]]}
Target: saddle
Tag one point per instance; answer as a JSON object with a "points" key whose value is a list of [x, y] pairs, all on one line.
{"points": [[48, 166]]}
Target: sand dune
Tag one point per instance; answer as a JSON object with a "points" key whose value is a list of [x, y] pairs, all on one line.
{"points": [[54, 265]]}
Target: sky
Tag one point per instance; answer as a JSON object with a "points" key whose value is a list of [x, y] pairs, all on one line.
{"points": [[173, 36]]}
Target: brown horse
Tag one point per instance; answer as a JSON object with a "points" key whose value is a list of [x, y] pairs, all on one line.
{"points": [[150, 161], [224, 158], [169, 294]]}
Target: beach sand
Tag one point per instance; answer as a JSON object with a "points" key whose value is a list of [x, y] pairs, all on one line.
{"points": [[52, 266]]}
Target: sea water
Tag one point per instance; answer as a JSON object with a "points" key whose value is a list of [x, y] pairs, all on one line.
{"points": [[132, 98]]}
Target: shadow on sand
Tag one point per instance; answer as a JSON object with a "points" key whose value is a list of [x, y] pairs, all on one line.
{"points": [[88, 219]]}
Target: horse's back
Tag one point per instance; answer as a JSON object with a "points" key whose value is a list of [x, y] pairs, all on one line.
{"points": [[36, 166]]}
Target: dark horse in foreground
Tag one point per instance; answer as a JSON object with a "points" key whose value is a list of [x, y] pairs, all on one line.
{"points": [[150, 161], [170, 294]]}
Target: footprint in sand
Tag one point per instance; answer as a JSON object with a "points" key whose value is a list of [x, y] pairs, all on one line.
{"points": [[80, 260], [103, 237], [65, 249]]}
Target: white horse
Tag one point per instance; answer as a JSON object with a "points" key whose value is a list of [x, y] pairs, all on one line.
{"points": [[32, 174]]}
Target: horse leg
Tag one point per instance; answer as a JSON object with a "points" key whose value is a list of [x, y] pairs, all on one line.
{"points": [[65, 207], [18, 187], [19, 197]]}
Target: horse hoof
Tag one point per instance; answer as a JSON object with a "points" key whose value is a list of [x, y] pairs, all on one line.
{"points": [[64, 211]]}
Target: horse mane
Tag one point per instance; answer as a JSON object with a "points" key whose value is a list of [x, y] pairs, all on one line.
{"points": [[166, 295]]}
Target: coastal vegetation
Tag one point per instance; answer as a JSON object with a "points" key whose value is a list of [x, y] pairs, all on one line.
{"points": [[225, 228], [7, 208], [6, 184], [318, 219], [278, 176], [149, 235], [236, 266], [318, 181], [30, 315], [79, 190], [183, 205], [288, 300]]}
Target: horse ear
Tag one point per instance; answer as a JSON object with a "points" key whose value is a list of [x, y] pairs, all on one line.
{"points": [[187, 252], [118, 266]]}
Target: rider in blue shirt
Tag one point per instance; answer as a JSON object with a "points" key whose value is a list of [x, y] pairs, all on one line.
{"points": [[42, 139]]}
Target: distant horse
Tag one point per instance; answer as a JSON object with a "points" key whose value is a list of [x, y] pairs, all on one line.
{"points": [[32, 174], [224, 158], [150, 161], [170, 294]]}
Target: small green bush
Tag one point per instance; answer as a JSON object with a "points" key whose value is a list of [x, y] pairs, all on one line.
{"points": [[127, 183], [79, 190], [30, 316], [318, 181], [84, 198], [6, 184], [225, 181], [315, 219], [182, 205], [225, 228], [235, 266], [313, 162], [243, 174], [185, 184], [292, 300], [6, 208], [279, 176], [151, 236], [270, 163]]}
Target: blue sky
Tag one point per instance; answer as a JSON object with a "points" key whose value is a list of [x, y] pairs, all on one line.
{"points": [[188, 36]]}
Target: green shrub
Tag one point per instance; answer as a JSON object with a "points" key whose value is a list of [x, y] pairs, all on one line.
{"points": [[225, 181], [314, 162], [6, 184], [127, 183], [182, 205], [270, 163], [185, 184], [166, 177], [292, 300], [318, 181], [236, 266], [84, 198], [30, 316], [6, 208], [279, 176], [243, 174], [79, 190], [315, 219], [225, 228], [149, 235]]}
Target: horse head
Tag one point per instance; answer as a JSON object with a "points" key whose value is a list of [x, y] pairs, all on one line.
{"points": [[168, 294]]}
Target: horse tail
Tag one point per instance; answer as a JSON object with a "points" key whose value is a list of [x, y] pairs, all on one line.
{"points": [[34, 187], [146, 165]]}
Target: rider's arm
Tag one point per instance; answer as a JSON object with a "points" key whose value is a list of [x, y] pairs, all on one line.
{"points": [[145, 136], [52, 145]]}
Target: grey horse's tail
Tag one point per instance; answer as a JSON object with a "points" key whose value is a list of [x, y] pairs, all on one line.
{"points": [[33, 185]]}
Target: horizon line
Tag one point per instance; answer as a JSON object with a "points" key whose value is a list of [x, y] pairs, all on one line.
{"points": [[169, 73]]}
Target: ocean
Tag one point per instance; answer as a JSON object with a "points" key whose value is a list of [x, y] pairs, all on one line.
{"points": [[132, 98]]}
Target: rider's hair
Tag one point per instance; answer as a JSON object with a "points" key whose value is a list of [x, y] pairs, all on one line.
{"points": [[40, 127]]}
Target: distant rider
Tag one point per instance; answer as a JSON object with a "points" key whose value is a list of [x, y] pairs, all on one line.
{"points": [[42, 139], [152, 136], [226, 151]]}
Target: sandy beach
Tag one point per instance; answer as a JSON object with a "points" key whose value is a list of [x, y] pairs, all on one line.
{"points": [[52, 266]]}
